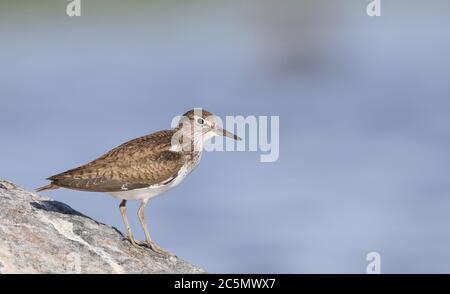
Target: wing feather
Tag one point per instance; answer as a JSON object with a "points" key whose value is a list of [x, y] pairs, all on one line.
{"points": [[139, 163]]}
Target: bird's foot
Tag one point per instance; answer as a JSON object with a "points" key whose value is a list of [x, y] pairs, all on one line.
{"points": [[158, 249], [149, 244], [136, 243]]}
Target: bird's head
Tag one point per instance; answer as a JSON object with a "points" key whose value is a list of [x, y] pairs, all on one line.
{"points": [[201, 125]]}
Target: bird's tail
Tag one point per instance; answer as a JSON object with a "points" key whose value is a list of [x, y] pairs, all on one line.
{"points": [[50, 186]]}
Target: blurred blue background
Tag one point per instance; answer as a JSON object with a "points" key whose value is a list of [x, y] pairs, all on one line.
{"points": [[364, 113]]}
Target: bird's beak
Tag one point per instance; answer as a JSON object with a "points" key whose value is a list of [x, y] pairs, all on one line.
{"points": [[225, 133]]}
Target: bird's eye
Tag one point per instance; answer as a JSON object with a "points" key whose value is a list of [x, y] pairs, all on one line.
{"points": [[200, 121]]}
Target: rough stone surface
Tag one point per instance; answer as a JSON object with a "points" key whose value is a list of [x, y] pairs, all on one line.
{"points": [[40, 235]]}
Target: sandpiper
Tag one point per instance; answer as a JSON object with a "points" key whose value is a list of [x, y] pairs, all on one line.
{"points": [[145, 167]]}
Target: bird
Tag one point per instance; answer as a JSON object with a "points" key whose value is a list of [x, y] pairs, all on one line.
{"points": [[145, 167]]}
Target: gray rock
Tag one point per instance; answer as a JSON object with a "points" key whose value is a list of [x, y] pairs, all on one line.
{"points": [[40, 235]]}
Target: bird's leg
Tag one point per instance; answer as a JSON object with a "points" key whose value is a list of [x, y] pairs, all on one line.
{"points": [[150, 243], [123, 212]]}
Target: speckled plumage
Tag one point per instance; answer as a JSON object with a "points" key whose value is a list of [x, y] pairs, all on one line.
{"points": [[136, 164]]}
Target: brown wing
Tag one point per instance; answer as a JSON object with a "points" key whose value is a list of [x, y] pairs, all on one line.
{"points": [[136, 164]]}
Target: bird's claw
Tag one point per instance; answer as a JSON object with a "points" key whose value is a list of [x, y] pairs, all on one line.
{"points": [[134, 242], [158, 249], [150, 244]]}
